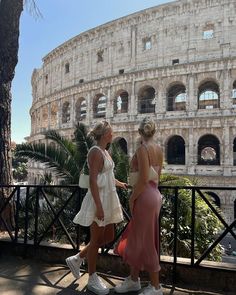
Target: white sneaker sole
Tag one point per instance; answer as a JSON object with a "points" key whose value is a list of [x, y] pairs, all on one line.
{"points": [[133, 289], [98, 292], [73, 269]]}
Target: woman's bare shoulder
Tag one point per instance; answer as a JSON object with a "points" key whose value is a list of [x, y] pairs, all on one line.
{"points": [[94, 153]]}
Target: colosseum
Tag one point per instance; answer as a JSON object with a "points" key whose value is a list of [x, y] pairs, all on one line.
{"points": [[175, 62]]}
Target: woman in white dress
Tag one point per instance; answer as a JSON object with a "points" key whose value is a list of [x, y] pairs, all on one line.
{"points": [[100, 208]]}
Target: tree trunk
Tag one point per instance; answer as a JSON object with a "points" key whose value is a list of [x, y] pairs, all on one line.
{"points": [[10, 12]]}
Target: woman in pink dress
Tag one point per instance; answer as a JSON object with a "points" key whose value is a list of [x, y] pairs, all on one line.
{"points": [[139, 247]]}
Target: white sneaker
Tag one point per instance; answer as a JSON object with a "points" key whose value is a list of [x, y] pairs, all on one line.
{"points": [[128, 285], [74, 263], [151, 290], [96, 285]]}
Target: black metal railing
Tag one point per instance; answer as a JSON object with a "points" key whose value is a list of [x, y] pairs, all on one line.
{"points": [[39, 210]]}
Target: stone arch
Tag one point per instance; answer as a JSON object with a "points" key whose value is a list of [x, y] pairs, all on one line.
{"points": [[208, 95], [121, 141], [80, 109], [121, 102], [215, 198], [176, 97], [175, 150], [99, 105], [146, 100], [208, 150], [66, 112]]}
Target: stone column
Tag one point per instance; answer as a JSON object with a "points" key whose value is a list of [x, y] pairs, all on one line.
{"points": [[160, 107], [133, 44], [72, 111], [192, 92], [89, 114], [133, 105], [226, 152], [225, 91], [49, 116], [190, 158], [109, 111], [59, 114]]}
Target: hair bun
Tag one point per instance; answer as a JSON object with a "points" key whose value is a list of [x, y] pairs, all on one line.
{"points": [[99, 130], [147, 127]]}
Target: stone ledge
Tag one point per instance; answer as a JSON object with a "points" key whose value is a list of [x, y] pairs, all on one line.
{"points": [[204, 277]]}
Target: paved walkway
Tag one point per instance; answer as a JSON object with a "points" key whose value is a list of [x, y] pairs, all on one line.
{"points": [[26, 277]]}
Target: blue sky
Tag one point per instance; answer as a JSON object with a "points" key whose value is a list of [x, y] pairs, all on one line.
{"points": [[61, 20]]}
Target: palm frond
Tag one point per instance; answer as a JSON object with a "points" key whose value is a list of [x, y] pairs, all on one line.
{"points": [[83, 142], [54, 158], [67, 145]]}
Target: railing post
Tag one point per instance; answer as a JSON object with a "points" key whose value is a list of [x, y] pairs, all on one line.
{"points": [[193, 226], [175, 233], [36, 216], [17, 214], [26, 216]]}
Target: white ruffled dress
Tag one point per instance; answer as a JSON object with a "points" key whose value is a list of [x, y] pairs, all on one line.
{"points": [[109, 199]]}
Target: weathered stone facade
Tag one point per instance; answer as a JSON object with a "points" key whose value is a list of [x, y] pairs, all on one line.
{"points": [[175, 62]]}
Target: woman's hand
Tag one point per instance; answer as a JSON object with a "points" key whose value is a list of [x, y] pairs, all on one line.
{"points": [[100, 213], [120, 184]]}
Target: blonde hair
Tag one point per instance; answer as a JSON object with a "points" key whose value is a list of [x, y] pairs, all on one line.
{"points": [[147, 127], [100, 129]]}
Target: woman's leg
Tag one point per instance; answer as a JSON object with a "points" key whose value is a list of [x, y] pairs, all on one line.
{"points": [[154, 278], [96, 235], [134, 273], [107, 237]]}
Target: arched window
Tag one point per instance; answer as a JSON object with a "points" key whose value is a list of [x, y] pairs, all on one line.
{"points": [[176, 150], [146, 100], [122, 143], [234, 151], [208, 96], [214, 198], [176, 98], [121, 102], [208, 150], [66, 112], [67, 68], [99, 106], [234, 93], [80, 109]]}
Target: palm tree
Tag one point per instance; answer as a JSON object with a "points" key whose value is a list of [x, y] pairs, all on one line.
{"points": [[65, 158]]}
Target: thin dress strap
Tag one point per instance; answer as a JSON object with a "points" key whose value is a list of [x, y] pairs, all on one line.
{"points": [[97, 147], [147, 153]]}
